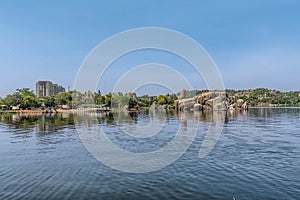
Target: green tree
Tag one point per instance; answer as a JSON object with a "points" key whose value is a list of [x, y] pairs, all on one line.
{"points": [[1, 101], [23, 97], [49, 101], [100, 100], [13, 99], [161, 100], [30, 101], [64, 99], [132, 103], [77, 98], [123, 100], [108, 99], [25, 92]]}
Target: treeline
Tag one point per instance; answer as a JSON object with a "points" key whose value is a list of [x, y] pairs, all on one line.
{"points": [[266, 97], [120, 100], [26, 99], [146, 101]]}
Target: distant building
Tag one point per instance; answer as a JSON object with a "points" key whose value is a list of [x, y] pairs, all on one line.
{"points": [[47, 88]]}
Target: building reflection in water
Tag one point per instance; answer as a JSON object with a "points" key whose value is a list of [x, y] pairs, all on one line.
{"points": [[38, 123], [48, 123], [51, 122]]}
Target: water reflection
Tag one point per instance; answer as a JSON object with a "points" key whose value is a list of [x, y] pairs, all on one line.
{"points": [[43, 124], [39, 123], [149, 122], [157, 133], [42, 157], [48, 123]]}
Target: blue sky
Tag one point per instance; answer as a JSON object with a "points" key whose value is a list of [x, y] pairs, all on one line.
{"points": [[254, 43]]}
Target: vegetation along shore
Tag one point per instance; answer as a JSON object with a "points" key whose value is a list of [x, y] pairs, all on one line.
{"points": [[24, 100]]}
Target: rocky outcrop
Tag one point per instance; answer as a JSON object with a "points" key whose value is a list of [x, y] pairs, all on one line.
{"points": [[133, 96], [154, 105], [182, 94], [161, 107], [244, 106], [210, 101], [238, 105], [127, 102], [88, 97]]}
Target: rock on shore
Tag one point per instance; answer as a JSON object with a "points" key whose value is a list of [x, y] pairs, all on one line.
{"points": [[210, 101]]}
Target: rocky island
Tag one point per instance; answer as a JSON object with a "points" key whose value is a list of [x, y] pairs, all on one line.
{"points": [[209, 101]]}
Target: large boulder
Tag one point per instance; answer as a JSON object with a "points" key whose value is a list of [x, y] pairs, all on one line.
{"points": [[182, 94], [219, 103], [154, 105], [239, 103], [198, 107], [202, 98], [210, 101], [126, 108], [244, 106], [163, 107], [188, 102], [133, 96], [206, 101]]}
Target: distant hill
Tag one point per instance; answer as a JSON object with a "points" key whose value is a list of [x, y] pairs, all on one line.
{"points": [[266, 97]]}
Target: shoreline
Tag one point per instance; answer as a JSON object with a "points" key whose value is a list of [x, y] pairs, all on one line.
{"points": [[250, 107], [89, 111]]}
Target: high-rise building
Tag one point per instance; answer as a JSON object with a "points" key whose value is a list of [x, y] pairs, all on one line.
{"points": [[47, 88]]}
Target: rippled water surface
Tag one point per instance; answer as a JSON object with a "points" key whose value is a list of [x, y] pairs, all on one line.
{"points": [[256, 157]]}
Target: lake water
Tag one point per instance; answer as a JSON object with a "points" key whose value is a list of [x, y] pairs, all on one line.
{"points": [[257, 156]]}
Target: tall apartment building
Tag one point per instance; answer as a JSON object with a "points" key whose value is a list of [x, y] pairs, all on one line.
{"points": [[47, 88]]}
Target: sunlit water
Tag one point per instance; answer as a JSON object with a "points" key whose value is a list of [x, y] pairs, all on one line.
{"points": [[256, 157]]}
